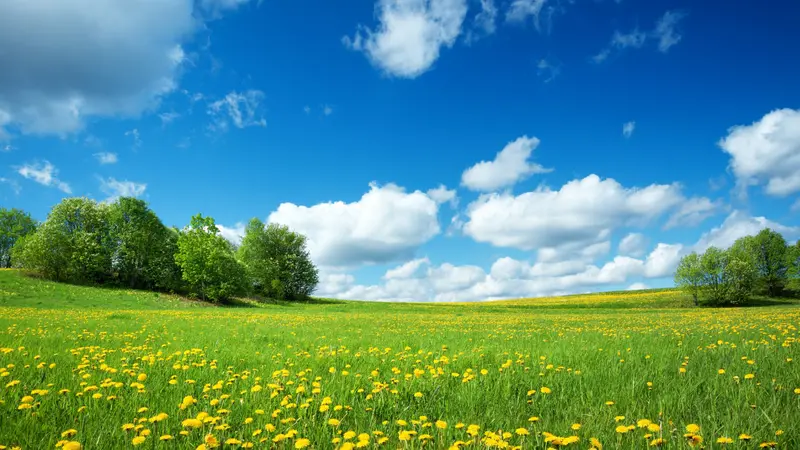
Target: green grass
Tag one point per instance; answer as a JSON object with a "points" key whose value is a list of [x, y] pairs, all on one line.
{"points": [[588, 350]]}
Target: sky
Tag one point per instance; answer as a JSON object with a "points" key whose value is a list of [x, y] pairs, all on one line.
{"points": [[430, 150]]}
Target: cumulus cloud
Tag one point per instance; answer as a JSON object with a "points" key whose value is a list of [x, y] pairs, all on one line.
{"points": [[627, 128], [633, 244], [232, 234], [241, 109], [637, 287], [420, 280], [106, 157], [510, 165], [116, 189], [739, 224], [441, 194], [386, 224], [693, 211], [581, 213], [67, 60], [44, 173], [767, 152], [410, 35]]}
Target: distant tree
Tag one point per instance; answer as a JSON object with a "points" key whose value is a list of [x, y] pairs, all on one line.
{"points": [[769, 252], [73, 244], [277, 261], [689, 276], [741, 272], [14, 224], [712, 265], [141, 245], [793, 264], [207, 261]]}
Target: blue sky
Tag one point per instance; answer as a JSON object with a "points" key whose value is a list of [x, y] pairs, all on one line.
{"points": [[431, 150]]}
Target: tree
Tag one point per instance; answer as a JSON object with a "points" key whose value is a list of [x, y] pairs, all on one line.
{"points": [[14, 224], [770, 257], [712, 265], [143, 247], [277, 261], [207, 261], [740, 273], [73, 244], [689, 275], [793, 264]]}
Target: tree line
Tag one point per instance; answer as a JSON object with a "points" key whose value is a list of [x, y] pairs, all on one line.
{"points": [[124, 243], [763, 264]]}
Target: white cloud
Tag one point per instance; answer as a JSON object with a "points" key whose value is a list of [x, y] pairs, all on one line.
{"points": [[168, 117], [693, 212], [386, 224], [739, 224], [116, 189], [106, 158], [633, 244], [12, 183], [233, 234], [75, 59], [627, 128], [216, 7], [665, 30], [581, 213], [521, 10], [419, 280], [441, 194], [663, 260], [509, 166], [6, 148], [767, 151], [485, 21], [411, 34], [45, 174], [135, 136], [547, 70], [240, 109], [637, 287], [327, 110]]}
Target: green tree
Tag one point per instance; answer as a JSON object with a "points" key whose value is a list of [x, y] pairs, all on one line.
{"points": [[277, 261], [741, 272], [207, 261], [769, 252], [73, 244], [793, 264], [689, 276], [712, 265], [143, 246], [14, 224]]}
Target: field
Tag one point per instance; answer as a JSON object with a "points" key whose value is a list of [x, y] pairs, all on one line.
{"points": [[105, 369]]}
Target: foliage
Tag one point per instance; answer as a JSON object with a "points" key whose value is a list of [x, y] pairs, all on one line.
{"points": [[143, 246], [14, 225], [770, 255], [73, 244], [207, 262], [277, 261], [689, 275]]}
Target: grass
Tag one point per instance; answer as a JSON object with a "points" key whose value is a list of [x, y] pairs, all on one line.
{"points": [[89, 360]]}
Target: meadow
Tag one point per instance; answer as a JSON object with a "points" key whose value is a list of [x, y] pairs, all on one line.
{"points": [[95, 368]]}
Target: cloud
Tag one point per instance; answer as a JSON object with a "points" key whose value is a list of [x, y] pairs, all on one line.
{"points": [[233, 234], [386, 224], [693, 212], [767, 151], [637, 287], [137, 138], [739, 224], [168, 117], [627, 128], [633, 244], [420, 280], [547, 70], [327, 110], [441, 194], [7, 148], [665, 30], [116, 189], [106, 157], [484, 22], [509, 166], [45, 174], [73, 60], [12, 183], [240, 109], [411, 34], [581, 213], [307, 109], [216, 7], [521, 10]]}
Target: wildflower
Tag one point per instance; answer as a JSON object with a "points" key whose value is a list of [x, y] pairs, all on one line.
{"points": [[693, 428], [418, 394], [622, 429], [192, 423], [441, 424], [545, 390], [522, 432], [166, 437], [745, 437], [302, 443], [138, 440], [724, 440], [596, 445], [576, 426], [657, 442], [334, 422], [69, 433]]}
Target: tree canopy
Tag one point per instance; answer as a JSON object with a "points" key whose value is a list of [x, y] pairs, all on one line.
{"points": [[14, 225]]}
